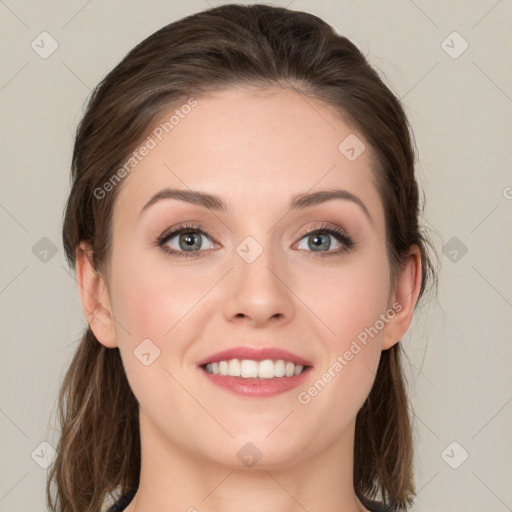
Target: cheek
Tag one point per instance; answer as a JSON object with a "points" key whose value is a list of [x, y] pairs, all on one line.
{"points": [[352, 329], [149, 300], [345, 300], [156, 303], [350, 303]]}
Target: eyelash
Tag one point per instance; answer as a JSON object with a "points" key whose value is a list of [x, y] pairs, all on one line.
{"points": [[337, 233]]}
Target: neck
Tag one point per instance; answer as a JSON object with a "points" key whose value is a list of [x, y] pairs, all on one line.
{"points": [[172, 479]]}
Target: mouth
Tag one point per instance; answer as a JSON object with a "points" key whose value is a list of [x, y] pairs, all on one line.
{"points": [[255, 372]]}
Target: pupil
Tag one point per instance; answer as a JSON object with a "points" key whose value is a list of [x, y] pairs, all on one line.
{"points": [[189, 241], [318, 242]]}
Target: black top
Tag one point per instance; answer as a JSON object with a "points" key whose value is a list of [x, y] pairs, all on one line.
{"points": [[122, 502], [373, 506]]}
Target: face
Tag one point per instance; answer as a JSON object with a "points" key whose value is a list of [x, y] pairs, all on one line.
{"points": [[312, 280]]}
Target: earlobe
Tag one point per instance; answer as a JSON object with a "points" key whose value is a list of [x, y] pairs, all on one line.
{"points": [[94, 297], [403, 299]]}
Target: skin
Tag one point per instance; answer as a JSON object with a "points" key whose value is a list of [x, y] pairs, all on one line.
{"points": [[255, 149]]}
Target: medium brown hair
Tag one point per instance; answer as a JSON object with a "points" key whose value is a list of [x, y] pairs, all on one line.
{"points": [[98, 454]]}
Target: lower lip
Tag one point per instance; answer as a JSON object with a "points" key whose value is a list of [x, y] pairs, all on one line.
{"points": [[257, 388]]}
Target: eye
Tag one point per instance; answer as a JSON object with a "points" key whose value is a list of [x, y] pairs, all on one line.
{"points": [[320, 238], [189, 241]]}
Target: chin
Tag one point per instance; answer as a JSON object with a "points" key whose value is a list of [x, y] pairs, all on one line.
{"points": [[255, 453]]}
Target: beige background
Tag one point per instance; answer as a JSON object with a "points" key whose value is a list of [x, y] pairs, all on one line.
{"points": [[460, 348]]}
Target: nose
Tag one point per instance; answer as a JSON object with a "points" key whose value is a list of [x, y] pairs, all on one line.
{"points": [[259, 292]]}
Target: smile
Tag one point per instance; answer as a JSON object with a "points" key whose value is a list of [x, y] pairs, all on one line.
{"points": [[257, 372]]}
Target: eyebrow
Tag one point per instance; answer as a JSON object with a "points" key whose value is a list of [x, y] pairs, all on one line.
{"points": [[298, 201]]}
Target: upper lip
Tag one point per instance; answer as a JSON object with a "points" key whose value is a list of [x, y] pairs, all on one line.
{"points": [[256, 354]]}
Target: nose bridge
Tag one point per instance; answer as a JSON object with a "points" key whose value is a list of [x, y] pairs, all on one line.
{"points": [[256, 287]]}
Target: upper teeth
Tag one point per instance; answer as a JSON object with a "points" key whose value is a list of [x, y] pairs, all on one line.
{"points": [[248, 368]]}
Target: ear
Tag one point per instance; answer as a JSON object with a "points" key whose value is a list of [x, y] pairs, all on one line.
{"points": [[95, 298], [403, 299]]}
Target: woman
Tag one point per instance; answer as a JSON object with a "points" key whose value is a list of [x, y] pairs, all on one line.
{"points": [[243, 222]]}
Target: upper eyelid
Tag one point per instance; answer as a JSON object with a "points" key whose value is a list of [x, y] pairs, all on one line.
{"points": [[172, 232]]}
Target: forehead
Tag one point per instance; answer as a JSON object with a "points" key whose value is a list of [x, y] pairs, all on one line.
{"points": [[251, 146]]}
